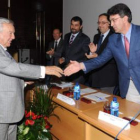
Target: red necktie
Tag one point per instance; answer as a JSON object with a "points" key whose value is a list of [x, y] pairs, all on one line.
{"points": [[126, 46]]}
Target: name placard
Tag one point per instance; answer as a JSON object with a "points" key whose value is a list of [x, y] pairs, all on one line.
{"points": [[65, 99], [119, 122]]}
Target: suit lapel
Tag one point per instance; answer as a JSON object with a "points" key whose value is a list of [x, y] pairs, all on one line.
{"points": [[60, 42], [103, 45], [3, 51], [120, 49], [134, 40]]}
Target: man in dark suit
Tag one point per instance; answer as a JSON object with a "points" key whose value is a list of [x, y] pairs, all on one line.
{"points": [[124, 46], [105, 77], [55, 48], [75, 46], [54, 52], [12, 83]]}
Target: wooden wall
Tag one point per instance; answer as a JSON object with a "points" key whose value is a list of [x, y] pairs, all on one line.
{"points": [[23, 13]]}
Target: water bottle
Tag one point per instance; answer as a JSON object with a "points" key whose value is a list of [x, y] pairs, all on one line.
{"points": [[77, 91], [114, 107]]}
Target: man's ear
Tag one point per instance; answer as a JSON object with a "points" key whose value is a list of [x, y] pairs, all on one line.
{"points": [[81, 26], [125, 18]]}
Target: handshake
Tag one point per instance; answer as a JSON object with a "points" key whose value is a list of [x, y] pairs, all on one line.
{"points": [[72, 68]]}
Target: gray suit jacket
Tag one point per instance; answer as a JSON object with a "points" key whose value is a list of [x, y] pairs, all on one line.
{"points": [[12, 87]]}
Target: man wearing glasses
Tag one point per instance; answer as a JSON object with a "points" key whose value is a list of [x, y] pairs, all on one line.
{"points": [[124, 46], [105, 77]]}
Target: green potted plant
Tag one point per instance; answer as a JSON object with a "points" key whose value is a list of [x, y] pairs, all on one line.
{"points": [[35, 125]]}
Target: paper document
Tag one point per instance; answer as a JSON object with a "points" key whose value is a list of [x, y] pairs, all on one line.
{"points": [[102, 95], [87, 90], [98, 97], [66, 99]]}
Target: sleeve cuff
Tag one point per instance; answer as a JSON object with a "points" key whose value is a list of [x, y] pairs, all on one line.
{"points": [[42, 72], [82, 65]]}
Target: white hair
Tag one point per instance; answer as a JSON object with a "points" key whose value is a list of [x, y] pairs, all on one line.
{"points": [[4, 20]]}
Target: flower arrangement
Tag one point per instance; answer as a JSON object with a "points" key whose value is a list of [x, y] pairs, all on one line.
{"points": [[35, 125]]}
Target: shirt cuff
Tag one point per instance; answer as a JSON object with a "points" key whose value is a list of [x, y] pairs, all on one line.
{"points": [[82, 65], [63, 58], [42, 72], [25, 84]]}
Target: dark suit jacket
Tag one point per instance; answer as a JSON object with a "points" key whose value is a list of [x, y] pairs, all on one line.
{"points": [[127, 67], [75, 51], [107, 75], [78, 48], [57, 53]]}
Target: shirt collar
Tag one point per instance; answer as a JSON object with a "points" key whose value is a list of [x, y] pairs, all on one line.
{"points": [[74, 34], [128, 34], [3, 47], [105, 34], [57, 40]]}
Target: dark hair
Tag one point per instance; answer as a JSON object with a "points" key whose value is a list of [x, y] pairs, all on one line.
{"points": [[76, 18], [105, 14], [122, 10], [57, 29]]}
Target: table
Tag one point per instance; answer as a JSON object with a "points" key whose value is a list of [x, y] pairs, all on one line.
{"points": [[69, 127], [80, 122], [96, 128]]}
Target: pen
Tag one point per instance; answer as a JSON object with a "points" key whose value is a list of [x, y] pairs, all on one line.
{"points": [[99, 97]]}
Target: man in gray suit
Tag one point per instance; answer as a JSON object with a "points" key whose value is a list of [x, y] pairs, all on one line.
{"points": [[12, 83]]}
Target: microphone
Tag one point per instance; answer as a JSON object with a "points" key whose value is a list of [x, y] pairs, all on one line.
{"points": [[133, 118]]}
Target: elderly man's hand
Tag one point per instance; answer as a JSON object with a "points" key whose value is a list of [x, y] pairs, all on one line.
{"points": [[54, 70]]}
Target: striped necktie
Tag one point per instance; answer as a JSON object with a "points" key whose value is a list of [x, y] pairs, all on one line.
{"points": [[71, 39]]}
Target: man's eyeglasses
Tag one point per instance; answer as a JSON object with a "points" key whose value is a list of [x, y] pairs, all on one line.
{"points": [[114, 19], [103, 22]]}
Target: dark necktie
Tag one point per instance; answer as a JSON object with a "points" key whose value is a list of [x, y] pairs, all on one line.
{"points": [[55, 47], [127, 45], [100, 41], [71, 39]]}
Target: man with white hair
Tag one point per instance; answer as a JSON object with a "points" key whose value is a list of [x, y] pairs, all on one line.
{"points": [[12, 83]]}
